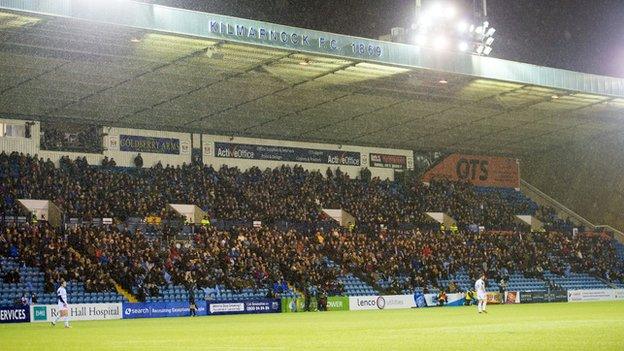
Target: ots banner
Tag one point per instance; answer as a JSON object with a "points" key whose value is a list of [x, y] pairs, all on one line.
{"points": [[388, 161], [160, 309], [14, 314], [334, 303], [595, 295], [488, 171], [77, 312], [137, 143], [248, 306], [357, 303], [287, 154]]}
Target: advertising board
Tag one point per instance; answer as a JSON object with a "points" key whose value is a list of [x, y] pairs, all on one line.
{"points": [[160, 309], [138, 143], [359, 303], [334, 303], [286, 154], [14, 314], [487, 171], [387, 161], [595, 295], [77, 312], [246, 306]]}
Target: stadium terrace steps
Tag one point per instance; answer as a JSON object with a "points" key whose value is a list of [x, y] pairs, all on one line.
{"points": [[353, 286], [125, 293]]}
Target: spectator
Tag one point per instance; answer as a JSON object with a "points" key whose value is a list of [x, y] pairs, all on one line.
{"points": [[138, 161]]}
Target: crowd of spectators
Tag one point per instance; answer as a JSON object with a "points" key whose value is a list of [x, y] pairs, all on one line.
{"points": [[240, 258], [274, 260], [52, 252], [284, 193], [415, 258]]}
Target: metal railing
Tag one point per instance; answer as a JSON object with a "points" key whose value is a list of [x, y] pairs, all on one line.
{"points": [[533, 192]]}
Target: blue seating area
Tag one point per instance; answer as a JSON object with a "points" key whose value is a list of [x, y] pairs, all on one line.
{"points": [[32, 281], [576, 281], [464, 283], [353, 286], [219, 293], [516, 199], [518, 282], [619, 249]]}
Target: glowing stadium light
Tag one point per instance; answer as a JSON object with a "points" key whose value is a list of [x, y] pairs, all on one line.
{"points": [[462, 26], [420, 40], [440, 43], [436, 9], [440, 27], [449, 12], [424, 21]]}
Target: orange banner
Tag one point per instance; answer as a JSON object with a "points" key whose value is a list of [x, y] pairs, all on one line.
{"points": [[488, 171]]}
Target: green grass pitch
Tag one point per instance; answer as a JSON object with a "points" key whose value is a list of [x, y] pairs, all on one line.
{"points": [[560, 326]]}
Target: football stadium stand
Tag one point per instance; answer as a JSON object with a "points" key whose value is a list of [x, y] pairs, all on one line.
{"points": [[243, 262], [260, 133]]}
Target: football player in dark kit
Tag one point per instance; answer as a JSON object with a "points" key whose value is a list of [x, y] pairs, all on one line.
{"points": [[191, 298]]}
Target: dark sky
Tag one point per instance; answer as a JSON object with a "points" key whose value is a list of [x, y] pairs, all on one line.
{"points": [[579, 35]]}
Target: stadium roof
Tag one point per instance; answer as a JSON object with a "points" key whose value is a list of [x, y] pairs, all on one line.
{"points": [[121, 63]]}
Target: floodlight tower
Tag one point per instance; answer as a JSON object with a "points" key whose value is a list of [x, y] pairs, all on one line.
{"points": [[439, 24]]}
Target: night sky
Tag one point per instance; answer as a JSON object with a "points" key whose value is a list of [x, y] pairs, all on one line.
{"points": [[579, 35]]}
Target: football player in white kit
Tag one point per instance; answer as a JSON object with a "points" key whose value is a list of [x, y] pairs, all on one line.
{"points": [[481, 294], [63, 308]]}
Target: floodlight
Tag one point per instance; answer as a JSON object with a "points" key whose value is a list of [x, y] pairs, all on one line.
{"points": [[480, 49], [449, 12], [487, 50], [479, 30], [489, 41], [462, 26], [440, 43], [490, 32], [420, 40], [463, 46], [424, 21], [436, 9]]}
